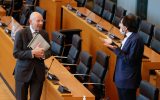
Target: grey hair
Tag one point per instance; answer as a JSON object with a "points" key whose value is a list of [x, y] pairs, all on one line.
{"points": [[32, 16]]}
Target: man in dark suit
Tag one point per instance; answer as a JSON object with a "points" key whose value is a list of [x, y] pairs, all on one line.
{"points": [[30, 68], [127, 75]]}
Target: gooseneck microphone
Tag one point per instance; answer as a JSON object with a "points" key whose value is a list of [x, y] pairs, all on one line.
{"points": [[49, 75], [47, 69]]}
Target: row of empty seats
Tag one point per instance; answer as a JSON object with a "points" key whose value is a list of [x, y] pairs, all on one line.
{"points": [[80, 63], [107, 10], [150, 35]]}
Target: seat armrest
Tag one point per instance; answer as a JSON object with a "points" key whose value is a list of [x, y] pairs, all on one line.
{"points": [[70, 30], [67, 64], [81, 75], [93, 84], [60, 57]]}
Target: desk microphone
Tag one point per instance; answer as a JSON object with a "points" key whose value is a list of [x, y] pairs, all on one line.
{"points": [[78, 13], [6, 29], [49, 75], [98, 26], [113, 36], [69, 5], [89, 20]]}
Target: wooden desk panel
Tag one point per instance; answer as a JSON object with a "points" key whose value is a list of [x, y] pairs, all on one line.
{"points": [[91, 43], [7, 61], [2, 11], [68, 80], [53, 8]]}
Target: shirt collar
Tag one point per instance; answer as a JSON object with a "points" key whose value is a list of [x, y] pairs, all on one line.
{"points": [[32, 30], [128, 34]]}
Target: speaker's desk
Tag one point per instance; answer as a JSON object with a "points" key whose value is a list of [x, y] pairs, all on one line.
{"points": [[67, 79], [91, 43], [53, 8]]}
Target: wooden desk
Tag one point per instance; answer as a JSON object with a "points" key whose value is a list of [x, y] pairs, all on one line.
{"points": [[66, 79], [2, 11], [7, 61], [152, 64], [91, 43], [53, 8]]}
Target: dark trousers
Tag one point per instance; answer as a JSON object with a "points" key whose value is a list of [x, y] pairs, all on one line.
{"points": [[126, 94], [35, 89]]}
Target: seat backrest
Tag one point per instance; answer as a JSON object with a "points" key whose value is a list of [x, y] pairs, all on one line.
{"points": [[147, 91], [119, 13], [75, 49], [30, 2], [100, 67], [108, 11], [85, 61], [81, 3], [98, 6], [155, 42], [23, 20], [57, 44], [146, 31]]}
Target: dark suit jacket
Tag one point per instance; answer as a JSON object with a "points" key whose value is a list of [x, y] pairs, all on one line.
{"points": [[128, 65], [25, 64]]}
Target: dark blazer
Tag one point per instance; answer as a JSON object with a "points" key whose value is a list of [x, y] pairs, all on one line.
{"points": [[25, 64], [128, 65]]}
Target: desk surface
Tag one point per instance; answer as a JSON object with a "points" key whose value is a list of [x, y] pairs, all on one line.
{"points": [[68, 80]]}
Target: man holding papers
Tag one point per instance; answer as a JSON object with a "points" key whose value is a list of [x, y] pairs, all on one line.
{"points": [[30, 69]]}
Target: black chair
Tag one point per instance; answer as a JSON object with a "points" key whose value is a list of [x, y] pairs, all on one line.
{"points": [[81, 3], [119, 13], [155, 42], [57, 44], [97, 75], [31, 4], [108, 11], [84, 66], [73, 53], [145, 31], [24, 16], [98, 6], [42, 12], [147, 91], [68, 34]]}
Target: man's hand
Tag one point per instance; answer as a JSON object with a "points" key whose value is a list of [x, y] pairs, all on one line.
{"points": [[38, 52], [108, 42]]}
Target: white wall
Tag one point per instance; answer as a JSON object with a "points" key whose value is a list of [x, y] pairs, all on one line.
{"points": [[129, 5], [153, 12]]}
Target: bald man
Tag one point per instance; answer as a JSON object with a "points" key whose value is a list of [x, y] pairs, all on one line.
{"points": [[30, 69]]}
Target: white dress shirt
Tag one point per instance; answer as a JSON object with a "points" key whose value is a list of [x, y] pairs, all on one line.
{"points": [[125, 39]]}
